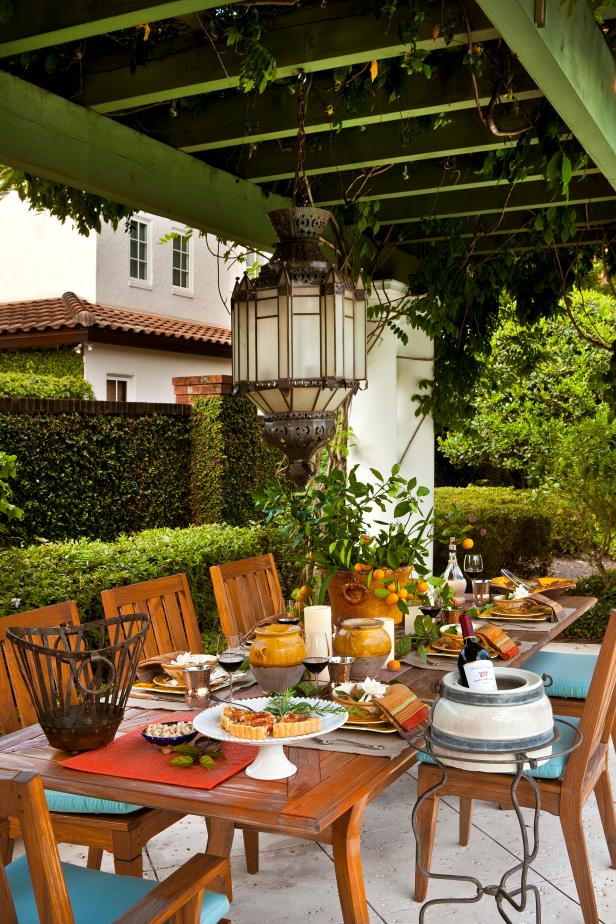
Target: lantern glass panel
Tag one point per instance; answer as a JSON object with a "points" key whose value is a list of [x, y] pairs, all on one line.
{"points": [[360, 339], [283, 336], [349, 332], [306, 336], [267, 339]]}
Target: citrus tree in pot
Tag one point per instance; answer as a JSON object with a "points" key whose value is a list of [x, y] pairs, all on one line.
{"points": [[363, 543]]}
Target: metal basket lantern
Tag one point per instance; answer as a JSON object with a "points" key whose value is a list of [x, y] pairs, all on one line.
{"points": [[79, 677]]}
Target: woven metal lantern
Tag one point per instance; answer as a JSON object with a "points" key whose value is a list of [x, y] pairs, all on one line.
{"points": [[79, 677], [298, 333]]}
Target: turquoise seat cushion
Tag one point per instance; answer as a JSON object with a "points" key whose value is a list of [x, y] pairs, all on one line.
{"points": [[552, 769], [85, 805], [96, 898], [571, 673]]}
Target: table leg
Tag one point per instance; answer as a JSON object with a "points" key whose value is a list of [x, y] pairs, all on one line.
{"points": [[346, 833], [219, 837]]}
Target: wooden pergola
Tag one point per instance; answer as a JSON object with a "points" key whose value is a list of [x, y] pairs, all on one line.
{"points": [[116, 126]]}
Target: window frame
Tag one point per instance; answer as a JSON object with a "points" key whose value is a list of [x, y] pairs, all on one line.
{"points": [[132, 280], [184, 291], [116, 377]]}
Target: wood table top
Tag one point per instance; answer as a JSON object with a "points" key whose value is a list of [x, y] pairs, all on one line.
{"points": [[326, 785]]}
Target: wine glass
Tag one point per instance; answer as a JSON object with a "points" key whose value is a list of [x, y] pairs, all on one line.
{"points": [[230, 656], [473, 566], [317, 655]]}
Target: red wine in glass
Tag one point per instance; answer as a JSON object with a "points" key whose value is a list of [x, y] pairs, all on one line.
{"points": [[231, 661], [315, 665]]}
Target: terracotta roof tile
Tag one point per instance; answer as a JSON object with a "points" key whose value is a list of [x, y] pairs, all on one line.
{"points": [[70, 311]]}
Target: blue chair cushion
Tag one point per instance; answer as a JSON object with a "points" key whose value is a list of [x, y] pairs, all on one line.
{"points": [[552, 769], [85, 805], [96, 898], [571, 673]]}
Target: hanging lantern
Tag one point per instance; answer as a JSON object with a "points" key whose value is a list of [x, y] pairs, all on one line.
{"points": [[299, 338]]}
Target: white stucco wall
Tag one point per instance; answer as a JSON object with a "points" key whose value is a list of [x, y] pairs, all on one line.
{"points": [[40, 257], [114, 287], [383, 416], [149, 371]]}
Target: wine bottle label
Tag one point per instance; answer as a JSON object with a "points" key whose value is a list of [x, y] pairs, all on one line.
{"points": [[480, 675]]}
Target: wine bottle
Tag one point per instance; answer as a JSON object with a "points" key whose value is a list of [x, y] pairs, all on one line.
{"points": [[474, 663], [453, 573]]}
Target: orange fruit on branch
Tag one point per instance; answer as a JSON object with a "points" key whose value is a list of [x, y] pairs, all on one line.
{"points": [[423, 587], [378, 574], [391, 599], [392, 588], [358, 567], [467, 543]]}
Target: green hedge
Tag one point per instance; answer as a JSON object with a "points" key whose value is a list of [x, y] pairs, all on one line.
{"points": [[60, 361], [43, 574], [591, 626], [97, 475], [230, 460], [33, 385], [518, 530]]}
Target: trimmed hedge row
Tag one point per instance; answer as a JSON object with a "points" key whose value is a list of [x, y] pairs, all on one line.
{"points": [[591, 626], [42, 574], [518, 530], [34, 385], [95, 474], [230, 460]]}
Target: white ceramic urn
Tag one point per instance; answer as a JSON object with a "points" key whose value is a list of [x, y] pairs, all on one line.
{"points": [[516, 717]]}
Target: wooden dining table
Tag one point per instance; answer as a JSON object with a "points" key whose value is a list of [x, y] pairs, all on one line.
{"points": [[324, 801]]}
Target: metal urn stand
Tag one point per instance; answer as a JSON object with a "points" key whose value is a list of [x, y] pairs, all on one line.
{"points": [[500, 892], [79, 677]]}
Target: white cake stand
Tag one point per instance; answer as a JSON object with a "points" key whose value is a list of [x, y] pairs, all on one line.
{"points": [[271, 762]]}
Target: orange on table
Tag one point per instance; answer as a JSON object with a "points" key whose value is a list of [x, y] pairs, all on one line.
{"points": [[467, 543], [393, 665]]}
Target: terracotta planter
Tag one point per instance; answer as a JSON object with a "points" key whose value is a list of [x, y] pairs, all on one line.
{"points": [[351, 599], [365, 640], [277, 646]]}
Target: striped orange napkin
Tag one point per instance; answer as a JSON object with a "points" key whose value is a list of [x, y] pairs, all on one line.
{"points": [[402, 707], [495, 638]]}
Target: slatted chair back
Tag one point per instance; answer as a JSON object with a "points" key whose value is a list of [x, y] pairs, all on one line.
{"points": [[169, 603], [599, 710], [247, 592], [16, 709], [22, 797]]}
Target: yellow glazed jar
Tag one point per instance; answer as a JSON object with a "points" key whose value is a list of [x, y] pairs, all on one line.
{"points": [[277, 646], [362, 638]]}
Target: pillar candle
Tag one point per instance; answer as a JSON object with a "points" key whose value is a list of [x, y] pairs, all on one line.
{"points": [[319, 619], [390, 627], [409, 619]]}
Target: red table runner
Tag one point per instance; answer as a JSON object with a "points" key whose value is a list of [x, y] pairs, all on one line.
{"points": [[131, 756]]}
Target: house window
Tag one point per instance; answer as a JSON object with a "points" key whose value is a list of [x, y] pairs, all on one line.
{"points": [[181, 261], [138, 264], [117, 389]]}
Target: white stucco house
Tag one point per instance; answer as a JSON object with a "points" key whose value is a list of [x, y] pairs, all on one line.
{"points": [[140, 310]]}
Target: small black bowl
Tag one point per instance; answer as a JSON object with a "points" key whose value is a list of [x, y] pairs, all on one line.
{"points": [[171, 741]]}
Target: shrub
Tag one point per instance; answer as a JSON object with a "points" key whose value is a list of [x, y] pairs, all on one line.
{"points": [[97, 474], [32, 385], [230, 460], [43, 574], [591, 626], [518, 530], [58, 361]]}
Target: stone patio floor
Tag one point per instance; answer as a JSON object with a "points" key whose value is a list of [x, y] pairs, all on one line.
{"points": [[296, 881]]}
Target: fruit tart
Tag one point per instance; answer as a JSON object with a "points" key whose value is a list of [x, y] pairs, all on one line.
{"points": [[293, 724], [257, 726]]}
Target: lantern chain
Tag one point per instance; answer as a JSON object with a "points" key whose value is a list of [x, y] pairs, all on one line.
{"points": [[301, 187]]}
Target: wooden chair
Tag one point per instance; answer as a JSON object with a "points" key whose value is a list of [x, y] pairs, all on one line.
{"points": [[174, 628], [247, 592], [63, 893], [565, 784], [169, 604], [97, 824]]}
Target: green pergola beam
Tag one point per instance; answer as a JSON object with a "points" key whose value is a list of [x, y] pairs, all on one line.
{"points": [[459, 203], [48, 136], [419, 179], [397, 142], [236, 119], [314, 38], [36, 24], [571, 63], [591, 216]]}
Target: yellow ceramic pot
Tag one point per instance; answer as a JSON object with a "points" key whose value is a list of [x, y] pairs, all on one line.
{"points": [[277, 646], [362, 638]]}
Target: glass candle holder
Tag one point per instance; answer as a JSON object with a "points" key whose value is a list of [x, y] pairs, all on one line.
{"points": [[198, 691], [339, 672], [481, 592]]}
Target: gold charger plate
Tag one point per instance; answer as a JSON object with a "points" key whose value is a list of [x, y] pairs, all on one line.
{"points": [[366, 720], [541, 585], [385, 729], [444, 653]]}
